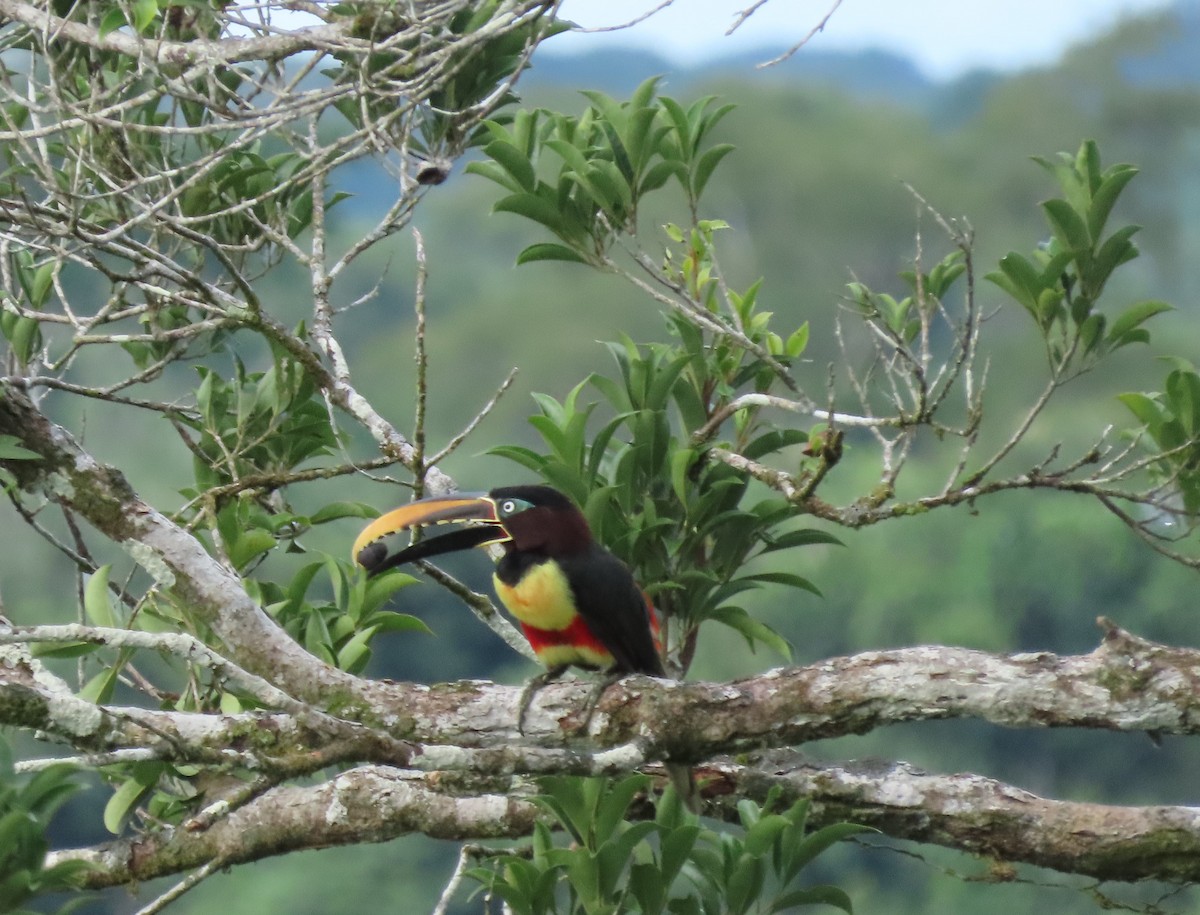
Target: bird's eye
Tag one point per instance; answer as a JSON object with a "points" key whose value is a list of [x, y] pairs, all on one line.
{"points": [[507, 507]]}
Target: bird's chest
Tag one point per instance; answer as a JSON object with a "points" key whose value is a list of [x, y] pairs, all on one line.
{"points": [[538, 596]]}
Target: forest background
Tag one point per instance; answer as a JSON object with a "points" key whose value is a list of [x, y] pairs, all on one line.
{"points": [[815, 196]]}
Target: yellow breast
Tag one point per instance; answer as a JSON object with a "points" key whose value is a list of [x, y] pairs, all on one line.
{"points": [[542, 597]]}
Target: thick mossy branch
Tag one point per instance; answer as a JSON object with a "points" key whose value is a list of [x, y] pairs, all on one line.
{"points": [[970, 813], [981, 816]]}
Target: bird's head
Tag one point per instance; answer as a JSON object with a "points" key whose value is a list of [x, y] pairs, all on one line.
{"points": [[527, 518]]}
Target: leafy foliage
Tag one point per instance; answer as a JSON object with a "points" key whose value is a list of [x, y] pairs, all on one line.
{"points": [[27, 804], [899, 318], [668, 865], [684, 522], [339, 631], [1171, 422], [608, 160], [1060, 283], [256, 423]]}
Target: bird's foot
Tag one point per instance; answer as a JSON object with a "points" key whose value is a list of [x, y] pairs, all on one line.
{"points": [[531, 689], [589, 710]]}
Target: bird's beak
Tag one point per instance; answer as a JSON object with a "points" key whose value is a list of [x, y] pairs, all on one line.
{"points": [[461, 507]]}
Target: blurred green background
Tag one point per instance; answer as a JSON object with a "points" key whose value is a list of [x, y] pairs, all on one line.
{"points": [[815, 197]]}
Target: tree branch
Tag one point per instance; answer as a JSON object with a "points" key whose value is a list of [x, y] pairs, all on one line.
{"points": [[366, 804], [980, 816], [209, 591], [969, 813]]}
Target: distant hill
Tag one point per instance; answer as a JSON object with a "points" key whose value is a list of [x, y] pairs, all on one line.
{"points": [[1173, 60], [870, 73], [1157, 51]]}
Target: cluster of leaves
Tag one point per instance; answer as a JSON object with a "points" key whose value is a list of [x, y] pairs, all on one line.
{"points": [[1171, 420], [254, 430], [668, 864], [256, 423], [250, 188], [26, 808], [584, 178], [474, 70], [1061, 283], [644, 478], [23, 331], [900, 319], [338, 629]]}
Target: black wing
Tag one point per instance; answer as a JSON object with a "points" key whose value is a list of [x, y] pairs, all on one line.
{"points": [[614, 608]]}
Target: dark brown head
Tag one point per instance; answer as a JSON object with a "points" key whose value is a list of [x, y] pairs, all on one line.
{"points": [[541, 519]]}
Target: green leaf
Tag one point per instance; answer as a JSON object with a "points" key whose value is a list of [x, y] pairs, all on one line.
{"points": [[11, 449], [1106, 195], [1116, 250], [96, 604], [1133, 317], [249, 545], [380, 588], [389, 621], [1183, 398], [354, 654], [752, 630], [790, 579], [816, 895], [707, 164], [1091, 331], [100, 688], [797, 343], [25, 338], [822, 839], [745, 884], [65, 650], [1145, 408], [144, 12], [659, 173], [532, 207], [43, 277], [1067, 225], [615, 802], [803, 537], [774, 441], [681, 464], [1019, 279], [112, 20], [514, 162], [121, 804], [761, 835], [548, 251], [335, 511]]}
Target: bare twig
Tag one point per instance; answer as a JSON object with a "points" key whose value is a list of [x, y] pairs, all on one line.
{"points": [[819, 27]]}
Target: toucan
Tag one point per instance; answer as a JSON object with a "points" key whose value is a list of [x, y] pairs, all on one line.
{"points": [[577, 603]]}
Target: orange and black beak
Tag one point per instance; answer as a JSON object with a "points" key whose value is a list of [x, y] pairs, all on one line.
{"points": [[479, 508]]}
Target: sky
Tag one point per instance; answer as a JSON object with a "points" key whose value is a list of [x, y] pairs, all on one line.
{"points": [[945, 38]]}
